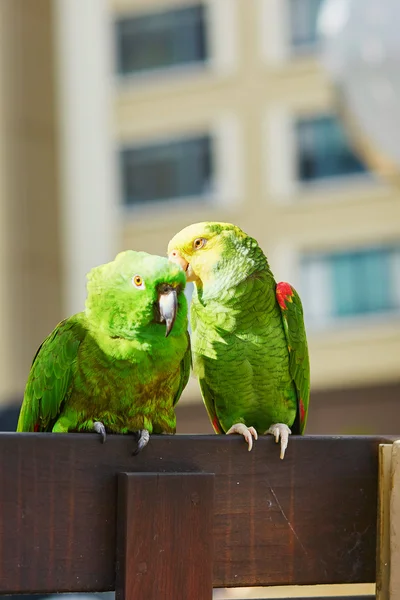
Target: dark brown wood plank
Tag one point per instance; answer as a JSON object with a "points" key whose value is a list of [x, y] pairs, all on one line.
{"points": [[165, 536], [308, 519]]}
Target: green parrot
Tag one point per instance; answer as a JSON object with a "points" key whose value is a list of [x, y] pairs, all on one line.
{"points": [[115, 367], [249, 346]]}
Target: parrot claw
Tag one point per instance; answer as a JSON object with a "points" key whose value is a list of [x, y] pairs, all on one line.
{"points": [[280, 430], [99, 428], [247, 432], [143, 440]]}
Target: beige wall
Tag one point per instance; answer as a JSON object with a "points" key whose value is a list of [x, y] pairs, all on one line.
{"points": [[30, 266]]}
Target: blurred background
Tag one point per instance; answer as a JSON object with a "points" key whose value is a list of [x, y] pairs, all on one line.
{"points": [[122, 121]]}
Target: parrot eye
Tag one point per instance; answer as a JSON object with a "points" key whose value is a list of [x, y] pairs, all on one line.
{"points": [[138, 282], [198, 243]]}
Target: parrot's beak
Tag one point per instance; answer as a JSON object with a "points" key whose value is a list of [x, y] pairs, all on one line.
{"points": [[178, 259], [168, 305]]}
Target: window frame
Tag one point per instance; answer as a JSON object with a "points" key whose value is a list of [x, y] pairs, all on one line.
{"points": [[308, 48], [332, 319], [160, 142], [157, 71], [319, 118], [280, 155], [221, 38], [276, 35], [228, 174]]}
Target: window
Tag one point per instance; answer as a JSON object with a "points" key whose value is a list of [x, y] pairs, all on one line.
{"points": [[175, 169], [323, 150], [346, 284], [161, 39], [303, 16]]}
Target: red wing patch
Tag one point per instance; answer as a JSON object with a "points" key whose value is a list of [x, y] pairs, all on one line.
{"points": [[283, 292], [302, 411], [36, 428], [216, 426]]}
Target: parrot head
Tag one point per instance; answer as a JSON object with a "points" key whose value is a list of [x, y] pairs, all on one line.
{"points": [[212, 251], [137, 292]]}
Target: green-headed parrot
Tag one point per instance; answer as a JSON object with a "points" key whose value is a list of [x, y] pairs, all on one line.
{"points": [[249, 346], [121, 365]]}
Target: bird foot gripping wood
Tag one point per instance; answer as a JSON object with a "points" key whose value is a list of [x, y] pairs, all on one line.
{"points": [[247, 432], [99, 428], [143, 440], [280, 430]]}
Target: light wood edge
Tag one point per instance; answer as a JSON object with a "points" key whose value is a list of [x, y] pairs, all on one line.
{"points": [[394, 587], [383, 523]]}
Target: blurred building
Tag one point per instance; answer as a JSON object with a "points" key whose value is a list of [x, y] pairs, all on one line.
{"points": [[124, 121], [30, 252]]}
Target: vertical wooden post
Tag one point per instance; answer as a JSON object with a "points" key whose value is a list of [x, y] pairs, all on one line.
{"points": [[165, 536], [394, 589], [388, 531]]}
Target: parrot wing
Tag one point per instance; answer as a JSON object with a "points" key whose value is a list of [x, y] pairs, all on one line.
{"points": [[299, 363], [49, 379], [185, 371], [210, 406]]}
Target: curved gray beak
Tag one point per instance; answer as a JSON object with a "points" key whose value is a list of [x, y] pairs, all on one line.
{"points": [[168, 304]]}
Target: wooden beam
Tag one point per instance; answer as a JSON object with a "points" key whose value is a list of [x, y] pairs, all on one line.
{"points": [[309, 519], [165, 536]]}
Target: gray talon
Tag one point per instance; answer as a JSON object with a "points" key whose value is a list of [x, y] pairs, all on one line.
{"points": [[143, 440], [99, 428]]}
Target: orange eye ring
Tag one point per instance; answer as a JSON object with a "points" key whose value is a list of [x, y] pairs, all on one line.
{"points": [[198, 243], [137, 280]]}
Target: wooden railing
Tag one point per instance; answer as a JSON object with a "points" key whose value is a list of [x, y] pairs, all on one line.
{"points": [[193, 512]]}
